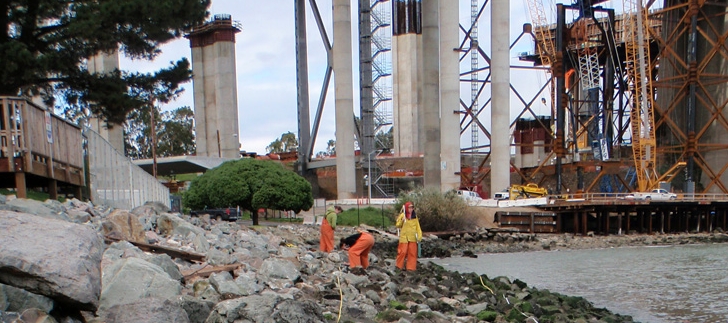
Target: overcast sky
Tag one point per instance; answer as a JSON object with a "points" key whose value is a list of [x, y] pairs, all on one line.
{"points": [[266, 66]]}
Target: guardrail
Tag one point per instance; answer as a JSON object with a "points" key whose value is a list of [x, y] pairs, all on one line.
{"points": [[597, 196]]}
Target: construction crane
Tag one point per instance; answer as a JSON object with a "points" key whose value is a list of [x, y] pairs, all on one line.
{"points": [[546, 48], [639, 73]]}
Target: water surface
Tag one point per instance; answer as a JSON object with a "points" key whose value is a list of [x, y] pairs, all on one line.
{"points": [[686, 283]]}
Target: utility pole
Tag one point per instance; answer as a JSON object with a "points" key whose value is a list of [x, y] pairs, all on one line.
{"points": [[152, 110]]}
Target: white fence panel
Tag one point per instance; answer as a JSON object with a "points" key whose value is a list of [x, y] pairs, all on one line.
{"points": [[116, 181]]}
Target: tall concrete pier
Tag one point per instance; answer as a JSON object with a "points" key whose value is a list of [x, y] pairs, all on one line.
{"points": [[430, 107], [500, 94], [426, 88], [215, 88], [449, 96], [344, 100], [113, 133], [407, 76]]}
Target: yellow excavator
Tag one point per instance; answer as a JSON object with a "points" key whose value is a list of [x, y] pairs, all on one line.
{"points": [[530, 190]]}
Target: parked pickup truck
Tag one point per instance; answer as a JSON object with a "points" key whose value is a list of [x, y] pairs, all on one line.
{"points": [[658, 194], [227, 214]]}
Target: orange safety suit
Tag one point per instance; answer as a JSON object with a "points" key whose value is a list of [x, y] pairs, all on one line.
{"points": [[359, 250], [326, 242], [410, 234]]}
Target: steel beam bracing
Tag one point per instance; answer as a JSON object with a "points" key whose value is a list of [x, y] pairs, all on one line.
{"points": [[471, 112], [477, 85], [307, 135], [304, 123], [691, 83]]}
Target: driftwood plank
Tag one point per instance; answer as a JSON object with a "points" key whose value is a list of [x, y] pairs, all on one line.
{"points": [[174, 253]]}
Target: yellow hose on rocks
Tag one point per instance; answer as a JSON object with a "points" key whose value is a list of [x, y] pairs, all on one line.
{"points": [[482, 283], [341, 294]]}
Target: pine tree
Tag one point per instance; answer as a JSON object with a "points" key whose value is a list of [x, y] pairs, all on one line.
{"points": [[44, 45]]}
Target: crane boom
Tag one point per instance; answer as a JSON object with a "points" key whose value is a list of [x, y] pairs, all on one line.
{"points": [[545, 41], [546, 48], [639, 73]]}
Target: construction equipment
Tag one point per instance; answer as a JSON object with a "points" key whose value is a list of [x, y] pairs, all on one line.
{"points": [[545, 40], [545, 47], [637, 61], [530, 190]]}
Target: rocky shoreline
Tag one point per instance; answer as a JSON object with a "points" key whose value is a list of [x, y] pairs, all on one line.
{"points": [[75, 262]]}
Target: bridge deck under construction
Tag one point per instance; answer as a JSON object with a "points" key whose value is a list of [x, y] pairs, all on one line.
{"points": [[618, 216]]}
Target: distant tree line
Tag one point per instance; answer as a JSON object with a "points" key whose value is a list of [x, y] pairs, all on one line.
{"points": [[174, 133]]}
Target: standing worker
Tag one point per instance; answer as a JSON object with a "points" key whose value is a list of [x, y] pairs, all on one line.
{"points": [[410, 235], [359, 245], [328, 225]]}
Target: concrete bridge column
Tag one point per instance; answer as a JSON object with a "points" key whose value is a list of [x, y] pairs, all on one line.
{"points": [[449, 97], [500, 154], [344, 100]]}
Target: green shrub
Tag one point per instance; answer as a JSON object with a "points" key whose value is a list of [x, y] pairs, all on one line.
{"points": [[389, 316], [488, 316], [375, 217], [439, 212], [422, 315], [397, 305]]}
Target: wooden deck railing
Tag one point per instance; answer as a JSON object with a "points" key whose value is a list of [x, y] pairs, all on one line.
{"points": [[36, 142]]}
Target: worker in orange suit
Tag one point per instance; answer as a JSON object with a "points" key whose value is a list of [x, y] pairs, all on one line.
{"points": [[359, 245], [410, 235], [328, 225]]}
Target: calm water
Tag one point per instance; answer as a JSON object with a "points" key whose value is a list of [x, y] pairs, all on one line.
{"points": [[653, 284]]}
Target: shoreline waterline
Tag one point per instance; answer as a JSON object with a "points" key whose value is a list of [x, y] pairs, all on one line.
{"points": [[661, 284]]}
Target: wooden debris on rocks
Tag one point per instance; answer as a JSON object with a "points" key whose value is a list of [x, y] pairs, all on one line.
{"points": [[174, 253]]}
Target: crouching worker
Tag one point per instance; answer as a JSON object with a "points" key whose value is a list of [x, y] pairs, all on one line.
{"points": [[358, 245]]}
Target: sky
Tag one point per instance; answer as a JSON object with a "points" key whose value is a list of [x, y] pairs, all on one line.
{"points": [[266, 66]]}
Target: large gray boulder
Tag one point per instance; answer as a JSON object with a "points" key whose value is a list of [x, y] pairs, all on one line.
{"points": [[130, 279], [225, 285], [167, 264], [150, 208], [53, 258], [170, 224], [197, 309], [37, 208], [280, 269], [298, 311], [148, 310], [17, 300], [267, 308], [255, 308]]}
